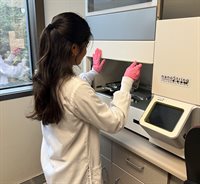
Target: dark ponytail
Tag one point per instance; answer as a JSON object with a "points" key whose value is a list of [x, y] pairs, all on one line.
{"points": [[55, 64]]}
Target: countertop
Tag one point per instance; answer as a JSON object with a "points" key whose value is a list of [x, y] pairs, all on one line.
{"points": [[155, 155]]}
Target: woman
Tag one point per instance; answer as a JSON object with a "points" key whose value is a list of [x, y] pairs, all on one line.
{"points": [[68, 107]]}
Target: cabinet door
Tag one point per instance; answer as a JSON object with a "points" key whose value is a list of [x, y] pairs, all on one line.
{"points": [[174, 180], [106, 170], [137, 166], [125, 25], [105, 147], [119, 176]]}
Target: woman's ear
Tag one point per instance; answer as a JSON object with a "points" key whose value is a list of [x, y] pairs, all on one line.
{"points": [[75, 49]]}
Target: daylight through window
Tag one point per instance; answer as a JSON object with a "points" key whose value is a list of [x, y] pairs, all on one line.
{"points": [[15, 60]]}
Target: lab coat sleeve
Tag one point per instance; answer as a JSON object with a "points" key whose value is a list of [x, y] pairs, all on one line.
{"points": [[90, 109], [10, 70], [10, 58], [88, 76]]}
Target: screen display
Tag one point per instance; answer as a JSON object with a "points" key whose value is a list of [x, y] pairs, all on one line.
{"points": [[164, 116]]}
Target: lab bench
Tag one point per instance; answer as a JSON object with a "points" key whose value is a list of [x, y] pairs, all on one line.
{"points": [[128, 158]]}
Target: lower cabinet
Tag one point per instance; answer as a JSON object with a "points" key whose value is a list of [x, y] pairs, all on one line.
{"points": [[137, 166], [120, 176], [120, 166], [106, 170]]}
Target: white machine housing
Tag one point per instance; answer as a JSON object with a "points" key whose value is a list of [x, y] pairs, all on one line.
{"points": [[176, 81], [124, 33], [176, 72], [171, 47]]}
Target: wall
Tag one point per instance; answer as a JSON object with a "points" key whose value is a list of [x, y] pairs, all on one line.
{"points": [[53, 8], [20, 138]]}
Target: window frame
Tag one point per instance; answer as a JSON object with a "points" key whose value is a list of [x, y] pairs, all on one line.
{"points": [[36, 23]]}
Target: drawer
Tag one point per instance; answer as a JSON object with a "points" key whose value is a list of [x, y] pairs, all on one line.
{"points": [[138, 167], [105, 147], [106, 170], [122, 177]]}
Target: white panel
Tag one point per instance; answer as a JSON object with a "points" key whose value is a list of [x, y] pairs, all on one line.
{"points": [[177, 53], [142, 51], [135, 113]]}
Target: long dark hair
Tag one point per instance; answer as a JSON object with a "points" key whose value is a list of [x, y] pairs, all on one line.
{"points": [[55, 64]]}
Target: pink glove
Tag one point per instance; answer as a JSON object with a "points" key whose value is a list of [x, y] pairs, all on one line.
{"points": [[133, 71], [16, 51], [97, 63]]}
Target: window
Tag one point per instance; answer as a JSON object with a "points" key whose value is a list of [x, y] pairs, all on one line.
{"points": [[21, 24], [94, 5]]}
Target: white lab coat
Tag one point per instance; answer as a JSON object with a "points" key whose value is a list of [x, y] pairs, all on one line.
{"points": [[7, 70], [70, 152]]}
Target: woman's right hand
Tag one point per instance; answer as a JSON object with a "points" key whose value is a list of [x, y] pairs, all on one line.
{"points": [[133, 71], [97, 63]]}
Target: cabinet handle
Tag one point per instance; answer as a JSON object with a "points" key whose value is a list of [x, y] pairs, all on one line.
{"points": [[117, 181], [139, 168]]}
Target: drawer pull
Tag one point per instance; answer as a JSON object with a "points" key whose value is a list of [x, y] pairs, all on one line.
{"points": [[139, 168], [117, 180]]}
